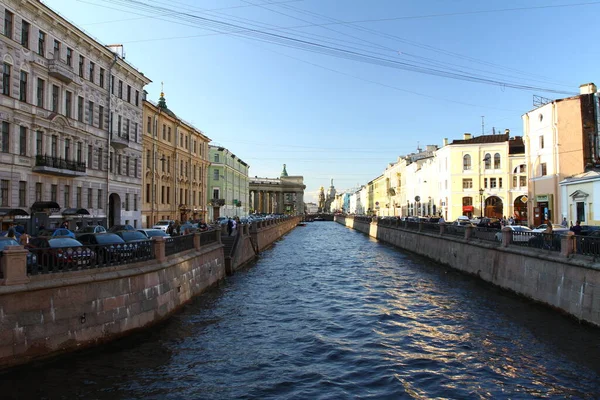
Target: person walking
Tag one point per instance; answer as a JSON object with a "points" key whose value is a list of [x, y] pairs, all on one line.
{"points": [[564, 222], [234, 226], [24, 239], [229, 226]]}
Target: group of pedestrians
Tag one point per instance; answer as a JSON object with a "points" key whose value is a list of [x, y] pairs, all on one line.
{"points": [[232, 224]]}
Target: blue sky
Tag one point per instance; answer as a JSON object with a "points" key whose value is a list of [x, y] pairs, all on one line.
{"points": [[329, 117]]}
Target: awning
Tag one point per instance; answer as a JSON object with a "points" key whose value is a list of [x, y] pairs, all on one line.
{"points": [[75, 211], [467, 208], [11, 212], [45, 205]]}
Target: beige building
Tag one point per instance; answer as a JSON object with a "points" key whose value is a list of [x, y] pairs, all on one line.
{"points": [[175, 166], [283, 195], [578, 193], [70, 113], [561, 140]]}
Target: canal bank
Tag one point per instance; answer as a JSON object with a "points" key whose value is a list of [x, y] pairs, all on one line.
{"points": [[45, 314], [569, 283]]}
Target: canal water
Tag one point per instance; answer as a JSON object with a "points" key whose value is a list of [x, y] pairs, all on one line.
{"points": [[328, 313]]}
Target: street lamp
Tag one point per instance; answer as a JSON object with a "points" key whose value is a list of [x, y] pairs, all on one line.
{"points": [[480, 203]]}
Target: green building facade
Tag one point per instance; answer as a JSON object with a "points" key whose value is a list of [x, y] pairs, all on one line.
{"points": [[227, 184]]}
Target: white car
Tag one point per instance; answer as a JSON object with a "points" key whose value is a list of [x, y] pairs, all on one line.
{"points": [[517, 237], [555, 228], [163, 224]]}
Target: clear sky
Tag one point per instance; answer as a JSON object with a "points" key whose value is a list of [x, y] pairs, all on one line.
{"points": [[337, 89]]}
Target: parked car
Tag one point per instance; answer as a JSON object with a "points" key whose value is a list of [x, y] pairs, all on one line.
{"points": [[108, 246], [53, 232], [190, 228], [486, 222], [60, 252], [131, 236], [163, 224], [150, 233], [6, 241], [5, 234], [547, 241], [523, 235], [587, 229], [117, 228], [91, 229], [463, 221], [555, 228]]}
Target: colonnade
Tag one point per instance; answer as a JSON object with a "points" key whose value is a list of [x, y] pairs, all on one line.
{"points": [[273, 202]]}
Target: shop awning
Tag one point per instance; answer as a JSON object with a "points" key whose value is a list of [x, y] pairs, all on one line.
{"points": [[75, 211], [45, 205], [11, 212], [467, 208]]}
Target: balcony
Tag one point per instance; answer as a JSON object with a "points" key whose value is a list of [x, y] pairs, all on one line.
{"points": [[58, 166], [60, 71], [119, 141]]}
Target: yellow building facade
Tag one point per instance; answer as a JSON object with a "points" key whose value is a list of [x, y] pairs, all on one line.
{"points": [[175, 166]]}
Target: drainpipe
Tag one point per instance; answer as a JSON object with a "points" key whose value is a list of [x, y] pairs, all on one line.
{"points": [[110, 127]]}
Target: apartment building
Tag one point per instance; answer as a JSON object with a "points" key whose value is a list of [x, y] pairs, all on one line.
{"points": [[70, 114], [228, 183]]}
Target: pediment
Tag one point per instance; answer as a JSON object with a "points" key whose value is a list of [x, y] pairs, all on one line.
{"points": [[58, 121], [578, 194]]}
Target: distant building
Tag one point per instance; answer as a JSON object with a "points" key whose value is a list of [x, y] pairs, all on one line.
{"points": [[228, 182], [283, 195]]}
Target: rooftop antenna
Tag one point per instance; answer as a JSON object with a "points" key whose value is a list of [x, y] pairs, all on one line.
{"points": [[483, 124]]}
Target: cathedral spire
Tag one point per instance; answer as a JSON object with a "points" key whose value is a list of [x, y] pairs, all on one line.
{"points": [[162, 103], [284, 172]]}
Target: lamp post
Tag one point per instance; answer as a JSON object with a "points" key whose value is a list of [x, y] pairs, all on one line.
{"points": [[480, 203]]}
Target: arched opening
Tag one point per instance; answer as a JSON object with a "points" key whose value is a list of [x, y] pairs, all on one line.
{"points": [[520, 207], [114, 210], [466, 162], [494, 207]]}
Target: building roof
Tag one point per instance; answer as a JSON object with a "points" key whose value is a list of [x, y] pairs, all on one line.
{"points": [[483, 139]]}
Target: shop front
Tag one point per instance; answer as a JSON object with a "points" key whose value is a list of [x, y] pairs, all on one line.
{"points": [[543, 209]]}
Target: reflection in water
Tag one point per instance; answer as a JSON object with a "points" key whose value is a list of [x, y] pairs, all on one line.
{"points": [[330, 313]]}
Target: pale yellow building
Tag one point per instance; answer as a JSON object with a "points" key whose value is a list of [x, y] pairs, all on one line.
{"points": [[578, 193], [175, 166]]}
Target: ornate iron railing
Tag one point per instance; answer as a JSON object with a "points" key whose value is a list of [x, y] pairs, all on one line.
{"points": [[178, 244], [208, 237], [589, 246], [59, 163], [487, 234]]}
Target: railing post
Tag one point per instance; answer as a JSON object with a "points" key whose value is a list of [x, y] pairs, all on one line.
{"points": [[197, 240], [442, 228], [469, 232], [420, 226], [506, 236], [13, 264], [567, 246], [219, 232], [159, 248]]}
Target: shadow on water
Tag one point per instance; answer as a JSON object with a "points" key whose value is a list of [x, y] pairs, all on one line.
{"points": [[330, 313]]}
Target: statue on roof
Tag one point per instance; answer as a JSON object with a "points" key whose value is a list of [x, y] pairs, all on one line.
{"points": [[284, 172]]}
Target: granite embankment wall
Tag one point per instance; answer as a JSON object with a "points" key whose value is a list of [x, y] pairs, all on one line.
{"points": [[570, 283]]}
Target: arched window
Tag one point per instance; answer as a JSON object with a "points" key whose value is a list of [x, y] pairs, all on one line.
{"points": [[497, 161], [488, 161], [466, 162]]}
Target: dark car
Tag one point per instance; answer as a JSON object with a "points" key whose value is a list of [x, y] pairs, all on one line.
{"points": [[53, 232], [60, 253], [588, 229], [492, 223], [131, 236], [117, 228], [109, 247], [150, 233], [91, 229], [6, 241]]}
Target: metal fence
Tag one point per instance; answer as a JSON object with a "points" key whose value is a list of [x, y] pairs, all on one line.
{"points": [[589, 246], [47, 260], [430, 227], [455, 230], [208, 237], [177, 244], [488, 234]]}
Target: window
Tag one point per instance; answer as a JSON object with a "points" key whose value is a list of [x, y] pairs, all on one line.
{"points": [[119, 121], [497, 161], [90, 112], [5, 137], [485, 182], [39, 143], [488, 161], [112, 84], [99, 205], [67, 148], [80, 109], [22, 141], [4, 192], [147, 193], [126, 201], [543, 169], [181, 139], [467, 183], [137, 97], [42, 44], [53, 192], [25, 34], [69, 57], [500, 183], [162, 194], [110, 162], [217, 158], [164, 131], [135, 167], [100, 160], [522, 181], [128, 94], [68, 104], [78, 152], [135, 202], [90, 156], [38, 191], [40, 92], [580, 211], [541, 142], [493, 183], [148, 158], [467, 201], [91, 71], [149, 125], [127, 128], [215, 193], [54, 98], [127, 165], [78, 197], [8, 23], [56, 49], [81, 63], [90, 194], [54, 147], [135, 132], [515, 182], [6, 79], [168, 195], [120, 89], [216, 174], [100, 117], [102, 77], [169, 135]]}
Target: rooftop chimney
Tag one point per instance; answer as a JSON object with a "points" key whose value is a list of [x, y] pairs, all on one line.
{"points": [[445, 141], [507, 131], [587, 88], [467, 136]]}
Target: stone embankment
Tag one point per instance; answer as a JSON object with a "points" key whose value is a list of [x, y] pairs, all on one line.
{"points": [[45, 314], [562, 280]]}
